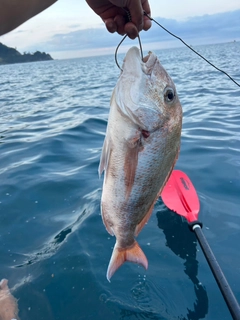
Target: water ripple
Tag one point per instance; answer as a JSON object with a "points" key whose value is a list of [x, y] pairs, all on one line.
{"points": [[54, 248]]}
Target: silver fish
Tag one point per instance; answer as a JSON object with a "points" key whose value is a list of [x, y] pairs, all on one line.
{"points": [[139, 152]]}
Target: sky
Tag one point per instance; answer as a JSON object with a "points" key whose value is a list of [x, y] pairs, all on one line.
{"points": [[69, 28]]}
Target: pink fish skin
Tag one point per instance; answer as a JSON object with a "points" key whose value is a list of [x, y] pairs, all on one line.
{"points": [[139, 152]]}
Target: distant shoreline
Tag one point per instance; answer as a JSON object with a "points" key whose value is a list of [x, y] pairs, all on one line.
{"points": [[10, 56]]}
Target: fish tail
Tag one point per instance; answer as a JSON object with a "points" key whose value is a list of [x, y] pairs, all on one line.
{"points": [[120, 255]]}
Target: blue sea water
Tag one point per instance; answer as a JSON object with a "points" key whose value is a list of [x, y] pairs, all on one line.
{"points": [[54, 249]]}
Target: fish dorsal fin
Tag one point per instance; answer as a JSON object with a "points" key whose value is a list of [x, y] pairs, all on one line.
{"points": [[105, 221], [106, 150]]}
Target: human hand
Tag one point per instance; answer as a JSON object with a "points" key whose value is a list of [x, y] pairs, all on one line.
{"points": [[113, 13]]}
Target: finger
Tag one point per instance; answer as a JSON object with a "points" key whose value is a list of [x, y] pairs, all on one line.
{"points": [[111, 25], [120, 23], [136, 11], [131, 30], [146, 7], [147, 23]]}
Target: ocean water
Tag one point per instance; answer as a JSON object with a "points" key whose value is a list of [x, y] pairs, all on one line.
{"points": [[54, 249]]}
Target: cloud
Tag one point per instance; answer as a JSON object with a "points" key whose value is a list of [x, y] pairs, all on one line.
{"points": [[81, 39], [222, 26], [73, 26], [214, 28]]}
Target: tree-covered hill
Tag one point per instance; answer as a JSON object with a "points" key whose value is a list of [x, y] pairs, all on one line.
{"points": [[11, 55]]}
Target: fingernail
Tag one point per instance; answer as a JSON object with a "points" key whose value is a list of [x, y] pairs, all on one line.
{"points": [[147, 24]]}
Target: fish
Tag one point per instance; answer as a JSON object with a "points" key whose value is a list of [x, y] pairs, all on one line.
{"points": [[140, 149], [8, 304]]}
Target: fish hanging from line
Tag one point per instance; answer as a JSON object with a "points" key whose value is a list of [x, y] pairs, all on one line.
{"points": [[139, 152]]}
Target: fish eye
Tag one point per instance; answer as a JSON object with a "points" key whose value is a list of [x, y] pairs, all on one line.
{"points": [[169, 95]]}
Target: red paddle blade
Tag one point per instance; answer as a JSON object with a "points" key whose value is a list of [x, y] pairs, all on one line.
{"points": [[180, 196]]}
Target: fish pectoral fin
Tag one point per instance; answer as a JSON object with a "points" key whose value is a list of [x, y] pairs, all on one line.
{"points": [[106, 151], [120, 255], [130, 167], [144, 221]]}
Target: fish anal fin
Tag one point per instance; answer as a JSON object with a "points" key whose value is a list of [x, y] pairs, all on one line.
{"points": [[144, 221], [148, 215], [120, 255]]}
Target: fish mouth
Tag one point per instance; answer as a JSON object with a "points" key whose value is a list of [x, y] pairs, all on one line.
{"points": [[149, 62], [134, 64]]}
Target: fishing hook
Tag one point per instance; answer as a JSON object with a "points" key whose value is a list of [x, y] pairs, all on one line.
{"points": [[139, 41]]}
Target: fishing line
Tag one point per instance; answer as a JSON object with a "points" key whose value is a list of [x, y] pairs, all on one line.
{"points": [[172, 34]]}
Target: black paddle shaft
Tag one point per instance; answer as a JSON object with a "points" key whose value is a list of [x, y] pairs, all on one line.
{"points": [[227, 293]]}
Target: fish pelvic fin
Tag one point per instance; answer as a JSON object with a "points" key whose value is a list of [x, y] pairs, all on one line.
{"points": [[120, 255]]}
